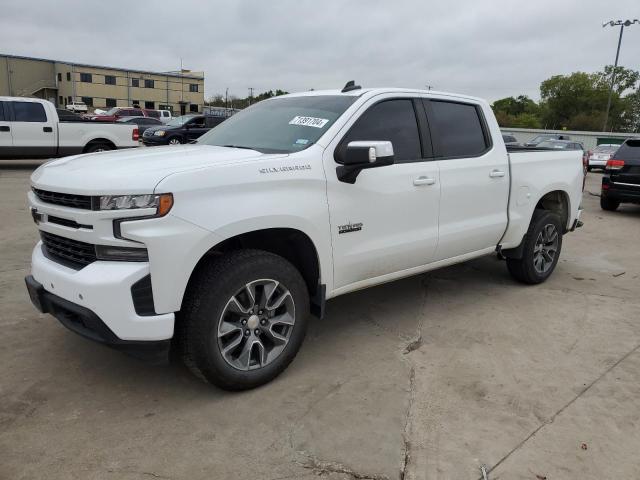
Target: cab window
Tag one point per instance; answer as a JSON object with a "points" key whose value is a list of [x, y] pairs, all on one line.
{"points": [[390, 120]]}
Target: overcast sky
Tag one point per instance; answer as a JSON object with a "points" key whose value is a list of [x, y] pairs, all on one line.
{"points": [[485, 48]]}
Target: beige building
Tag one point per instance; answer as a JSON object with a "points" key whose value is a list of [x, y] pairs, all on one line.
{"points": [[100, 87]]}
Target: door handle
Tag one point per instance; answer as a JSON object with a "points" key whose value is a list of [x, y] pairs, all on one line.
{"points": [[496, 174], [47, 129], [423, 181], [5, 128]]}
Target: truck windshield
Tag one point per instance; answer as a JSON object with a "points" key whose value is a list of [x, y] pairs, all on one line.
{"points": [[279, 125]]}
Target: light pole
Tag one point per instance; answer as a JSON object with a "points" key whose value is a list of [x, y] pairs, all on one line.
{"points": [[613, 23]]}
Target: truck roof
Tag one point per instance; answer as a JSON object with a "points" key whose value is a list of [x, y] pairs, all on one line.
{"points": [[377, 91]]}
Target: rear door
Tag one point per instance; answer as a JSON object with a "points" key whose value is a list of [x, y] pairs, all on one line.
{"points": [[474, 178], [34, 133], [6, 139]]}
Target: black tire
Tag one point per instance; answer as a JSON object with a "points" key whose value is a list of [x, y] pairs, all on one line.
{"points": [[589, 169], [172, 140], [523, 269], [609, 203], [98, 147], [214, 283]]}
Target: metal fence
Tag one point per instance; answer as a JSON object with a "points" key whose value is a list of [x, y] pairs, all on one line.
{"points": [[589, 139]]}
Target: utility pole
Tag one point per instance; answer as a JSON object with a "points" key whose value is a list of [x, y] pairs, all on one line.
{"points": [[622, 24], [250, 94], [226, 98]]}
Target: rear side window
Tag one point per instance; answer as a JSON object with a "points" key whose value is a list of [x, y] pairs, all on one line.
{"points": [[457, 129], [2, 117], [153, 113], [630, 150], [28, 112], [389, 120]]}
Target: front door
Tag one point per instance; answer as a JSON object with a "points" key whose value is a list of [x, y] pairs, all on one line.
{"points": [[387, 221], [474, 178], [195, 128], [33, 133]]}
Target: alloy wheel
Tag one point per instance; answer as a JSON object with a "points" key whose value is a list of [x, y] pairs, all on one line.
{"points": [[256, 324], [545, 248]]}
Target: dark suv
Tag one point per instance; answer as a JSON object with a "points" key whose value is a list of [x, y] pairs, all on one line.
{"points": [[621, 180], [179, 130]]}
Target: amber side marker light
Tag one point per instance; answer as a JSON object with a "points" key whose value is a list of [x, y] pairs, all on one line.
{"points": [[165, 203]]}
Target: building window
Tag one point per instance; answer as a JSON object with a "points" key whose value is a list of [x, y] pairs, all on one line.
{"points": [[59, 77], [109, 80], [68, 76], [148, 84], [111, 102], [135, 82], [69, 100], [135, 103], [88, 101], [60, 100], [86, 77], [150, 105], [193, 108], [193, 87]]}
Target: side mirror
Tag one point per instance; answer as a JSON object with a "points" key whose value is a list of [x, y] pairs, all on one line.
{"points": [[361, 155]]}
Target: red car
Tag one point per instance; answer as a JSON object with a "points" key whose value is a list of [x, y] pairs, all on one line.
{"points": [[116, 113]]}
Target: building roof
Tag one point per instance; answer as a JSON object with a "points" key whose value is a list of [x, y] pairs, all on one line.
{"points": [[168, 74]]}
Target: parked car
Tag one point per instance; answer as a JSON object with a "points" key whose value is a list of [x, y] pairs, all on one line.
{"points": [[179, 130], [510, 139], [67, 116], [230, 243], [621, 179], [142, 122], [561, 145], [546, 136], [79, 107], [116, 113], [600, 155], [30, 128]]}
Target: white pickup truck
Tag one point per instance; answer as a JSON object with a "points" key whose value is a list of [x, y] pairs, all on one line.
{"points": [[222, 249], [30, 128]]}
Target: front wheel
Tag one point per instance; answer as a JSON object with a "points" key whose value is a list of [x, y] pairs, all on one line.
{"points": [[175, 141], [541, 249], [243, 319]]}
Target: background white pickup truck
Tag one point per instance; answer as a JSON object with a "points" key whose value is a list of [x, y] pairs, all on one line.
{"points": [[224, 247], [30, 128]]}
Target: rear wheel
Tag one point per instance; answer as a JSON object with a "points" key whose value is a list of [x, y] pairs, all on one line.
{"points": [[98, 147], [609, 203], [541, 250], [243, 319]]}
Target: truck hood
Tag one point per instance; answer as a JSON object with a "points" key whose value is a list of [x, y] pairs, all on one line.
{"points": [[132, 171]]}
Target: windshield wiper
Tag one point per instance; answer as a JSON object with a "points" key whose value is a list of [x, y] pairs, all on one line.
{"points": [[239, 146]]}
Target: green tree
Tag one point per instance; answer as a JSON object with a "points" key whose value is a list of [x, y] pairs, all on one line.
{"points": [[516, 112]]}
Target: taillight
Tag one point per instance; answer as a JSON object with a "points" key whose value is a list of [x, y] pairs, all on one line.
{"points": [[614, 164], [135, 136]]}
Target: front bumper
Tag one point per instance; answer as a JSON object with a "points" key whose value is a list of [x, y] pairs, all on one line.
{"points": [[153, 140], [104, 289], [86, 323]]}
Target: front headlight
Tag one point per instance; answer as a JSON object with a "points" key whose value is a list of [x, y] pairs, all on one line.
{"points": [[162, 203], [159, 133]]}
